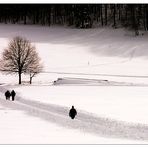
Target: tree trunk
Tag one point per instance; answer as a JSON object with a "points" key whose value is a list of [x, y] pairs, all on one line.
{"points": [[105, 14], [114, 15], [134, 20], [30, 80], [24, 19], [119, 12], [101, 15], [49, 17], [20, 81], [146, 17]]}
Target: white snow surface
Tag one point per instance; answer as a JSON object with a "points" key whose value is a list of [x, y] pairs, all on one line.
{"points": [[102, 72]]}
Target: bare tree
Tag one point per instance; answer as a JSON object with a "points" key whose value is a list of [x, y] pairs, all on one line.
{"points": [[33, 70], [20, 57]]}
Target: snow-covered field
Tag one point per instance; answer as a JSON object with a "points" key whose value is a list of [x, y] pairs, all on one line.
{"points": [[102, 72]]}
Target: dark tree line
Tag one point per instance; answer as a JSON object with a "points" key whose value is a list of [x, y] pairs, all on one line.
{"points": [[133, 16]]}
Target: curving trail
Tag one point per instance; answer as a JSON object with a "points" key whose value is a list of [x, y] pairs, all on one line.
{"points": [[84, 121]]}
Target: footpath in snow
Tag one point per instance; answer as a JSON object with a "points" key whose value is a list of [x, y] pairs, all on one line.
{"points": [[84, 122]]}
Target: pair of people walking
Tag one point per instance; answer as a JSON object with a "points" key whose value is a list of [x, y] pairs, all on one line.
{"points": [[72, 112], [8, 95]]}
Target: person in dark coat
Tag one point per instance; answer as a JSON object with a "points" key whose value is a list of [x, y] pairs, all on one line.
{"points": [[72, 112], [13, 94], [7, 95]]}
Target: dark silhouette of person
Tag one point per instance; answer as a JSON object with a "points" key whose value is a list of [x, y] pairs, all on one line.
{"points": [[13, 94], [7, 95], [72, 112]]}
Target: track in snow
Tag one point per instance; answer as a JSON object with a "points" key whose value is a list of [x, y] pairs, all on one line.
{"points": [[98, 74], [85, 122]]}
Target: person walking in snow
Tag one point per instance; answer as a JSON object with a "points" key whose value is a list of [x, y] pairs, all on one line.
{"points": [[72, 112], [7, 95], [13, 94]]}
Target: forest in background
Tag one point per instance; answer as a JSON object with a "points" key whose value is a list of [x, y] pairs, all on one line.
{"points": [[130, 16]]}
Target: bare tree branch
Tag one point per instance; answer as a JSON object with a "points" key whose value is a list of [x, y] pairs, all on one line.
{"points": [[20, 57]]}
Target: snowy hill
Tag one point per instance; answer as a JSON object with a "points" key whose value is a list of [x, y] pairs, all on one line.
{"points": [[88, 51], [103, 72]]}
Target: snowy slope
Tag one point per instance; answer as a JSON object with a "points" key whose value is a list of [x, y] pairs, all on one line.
{"points": [[49, 124], [102, 51], [103, 74]]}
